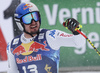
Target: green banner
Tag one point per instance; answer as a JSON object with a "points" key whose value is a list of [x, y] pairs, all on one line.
{"points": [[87, 12]]}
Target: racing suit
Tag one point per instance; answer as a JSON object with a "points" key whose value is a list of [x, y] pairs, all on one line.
{"points": [[40, 54]]}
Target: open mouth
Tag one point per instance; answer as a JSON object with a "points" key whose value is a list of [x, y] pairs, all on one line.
{"points": [[32, 27]]}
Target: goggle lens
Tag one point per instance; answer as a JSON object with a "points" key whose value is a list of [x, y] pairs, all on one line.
{"points": [[28, 18]]}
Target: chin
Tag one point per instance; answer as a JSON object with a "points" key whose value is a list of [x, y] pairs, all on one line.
{"points": [[35, 32]]}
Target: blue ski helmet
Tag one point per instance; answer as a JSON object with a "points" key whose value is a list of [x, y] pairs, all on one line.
{"points": [[23, 9]]}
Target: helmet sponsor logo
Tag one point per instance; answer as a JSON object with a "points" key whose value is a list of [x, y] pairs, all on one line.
{"points": [[26, 6]]}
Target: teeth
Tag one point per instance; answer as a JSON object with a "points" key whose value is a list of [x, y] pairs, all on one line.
{"points": [[33, 26]]}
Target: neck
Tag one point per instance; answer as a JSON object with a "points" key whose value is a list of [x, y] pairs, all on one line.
{"points": [[28, 35]]}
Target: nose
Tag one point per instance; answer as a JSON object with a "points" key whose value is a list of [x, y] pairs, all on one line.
{"points": [[33, 22]]}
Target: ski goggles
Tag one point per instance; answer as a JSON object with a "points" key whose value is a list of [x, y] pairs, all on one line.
{"points": [[27, 19]]}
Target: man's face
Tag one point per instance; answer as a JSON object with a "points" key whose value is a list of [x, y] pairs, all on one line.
{"points": [[32, 28]]}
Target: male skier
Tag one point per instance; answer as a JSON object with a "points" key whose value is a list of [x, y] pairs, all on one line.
{"points": [[37, 50]]}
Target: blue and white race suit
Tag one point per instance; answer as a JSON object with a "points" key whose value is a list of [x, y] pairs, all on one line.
{"points": [[40, 54]]}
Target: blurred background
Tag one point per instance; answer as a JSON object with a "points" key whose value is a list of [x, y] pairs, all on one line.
{"points": [[53, 13]]}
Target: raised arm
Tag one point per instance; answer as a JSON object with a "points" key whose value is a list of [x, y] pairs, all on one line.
{"points": [[57, 38]]}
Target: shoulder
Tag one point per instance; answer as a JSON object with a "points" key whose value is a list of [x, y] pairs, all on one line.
{"points": [[16, 37], [52, 38], [16, 40], [49, 31], [43, 30]]}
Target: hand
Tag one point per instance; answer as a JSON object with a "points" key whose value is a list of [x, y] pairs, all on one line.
{"points": [[72, 24]]}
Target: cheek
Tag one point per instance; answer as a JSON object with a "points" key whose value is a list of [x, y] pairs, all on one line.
{"points": [[26, 27], [38, 24]]}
